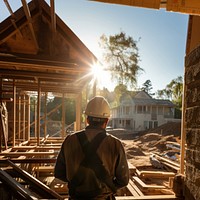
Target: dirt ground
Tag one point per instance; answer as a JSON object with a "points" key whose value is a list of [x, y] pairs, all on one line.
{"points": [[139, 146]]}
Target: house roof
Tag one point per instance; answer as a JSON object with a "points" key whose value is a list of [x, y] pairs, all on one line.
{"points": [[143, 98], [153, 102], [36, 46]]}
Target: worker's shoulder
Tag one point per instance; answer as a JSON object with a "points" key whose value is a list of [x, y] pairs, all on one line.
{"points": [[113, 138]]}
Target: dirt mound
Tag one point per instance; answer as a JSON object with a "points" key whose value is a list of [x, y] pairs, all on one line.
{"points": [[170, 128], [139, 146]]}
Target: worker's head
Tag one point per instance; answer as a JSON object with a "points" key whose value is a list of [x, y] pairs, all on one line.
{"points": [[97, 111]]}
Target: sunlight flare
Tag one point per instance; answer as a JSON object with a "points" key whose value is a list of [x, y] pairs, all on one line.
{"points": [[102, 76]]}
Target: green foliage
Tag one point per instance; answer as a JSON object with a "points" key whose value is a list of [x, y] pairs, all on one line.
{"points": [[119, 91], [121, 55], [173, 91], [147, 87], [69, 109]]}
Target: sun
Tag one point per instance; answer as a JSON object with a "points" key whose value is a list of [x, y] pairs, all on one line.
{"points": [[102, 76]]}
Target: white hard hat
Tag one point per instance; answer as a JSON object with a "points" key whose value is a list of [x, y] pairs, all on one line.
{"points": [[98, 107]]}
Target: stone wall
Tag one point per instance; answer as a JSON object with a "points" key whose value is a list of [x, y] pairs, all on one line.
{"points": [[192, 124]]}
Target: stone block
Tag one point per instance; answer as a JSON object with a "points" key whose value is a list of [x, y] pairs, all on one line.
{"points": [[193, 57], [192, 117], [192, 97], [192, 74], [192, 138]]}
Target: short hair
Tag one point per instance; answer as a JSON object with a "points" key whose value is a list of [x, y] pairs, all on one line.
{"points": [[94, 121]]}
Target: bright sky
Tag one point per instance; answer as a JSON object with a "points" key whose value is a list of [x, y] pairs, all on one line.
{"points": [[163, 34]]}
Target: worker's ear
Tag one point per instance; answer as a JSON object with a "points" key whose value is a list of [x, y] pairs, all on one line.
{"points": [[107, 120], [87, 120], [105, 123]]}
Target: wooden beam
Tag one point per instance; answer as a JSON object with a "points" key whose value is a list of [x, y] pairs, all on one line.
{"points": [[38, 113], [144, 187], [14, 112], [12, 17], [183, 130], [15, 186], [48, 193], [28, 16], [133, 189], [28, 116], [78, 112], [28, 160], [45, 114], [41, 153], [63, 115], [18, 148], [154, 174], [53, 17], [149, 197]]}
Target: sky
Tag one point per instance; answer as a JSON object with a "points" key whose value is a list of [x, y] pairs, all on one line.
{"points": [[162, 35]]}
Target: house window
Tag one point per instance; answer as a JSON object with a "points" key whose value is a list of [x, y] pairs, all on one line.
{"points": [[127, 110], [154, 109], [139, 109], [150, 124], [146, 125], [167, 111], [155, 124], [148, 109]]}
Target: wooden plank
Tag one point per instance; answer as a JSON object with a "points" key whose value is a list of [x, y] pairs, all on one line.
{"points": [[29, 160], [43, 168], [171, 166], [35, 182], [149, 197], [144, 186], [36, 148], [132, 168], [154, 174], [166, 160], [14, 185], [134, 190], [16, 154]]}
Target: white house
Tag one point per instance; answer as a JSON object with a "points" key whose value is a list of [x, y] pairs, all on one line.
{"points": [[139, 111]]}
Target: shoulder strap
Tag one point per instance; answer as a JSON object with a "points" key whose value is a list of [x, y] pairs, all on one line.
{"points": [[90, 147], [92, 160]]}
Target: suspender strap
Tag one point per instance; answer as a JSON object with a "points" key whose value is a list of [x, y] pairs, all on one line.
{"points": [[92, 160]]}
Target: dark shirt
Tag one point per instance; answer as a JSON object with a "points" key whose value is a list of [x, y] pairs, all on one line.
{"points": [[111, 153]]}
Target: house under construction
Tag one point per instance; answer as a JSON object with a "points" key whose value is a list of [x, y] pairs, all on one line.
{"points": [[39, 54]]}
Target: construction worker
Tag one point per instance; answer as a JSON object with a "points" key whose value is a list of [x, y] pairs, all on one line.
{"points": [[93, 162]]}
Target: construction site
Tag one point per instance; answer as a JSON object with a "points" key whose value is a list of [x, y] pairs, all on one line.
{"points": [[164, 163]]}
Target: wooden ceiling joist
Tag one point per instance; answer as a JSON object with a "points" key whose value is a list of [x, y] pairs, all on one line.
{"points": [[12, 17], [28, 16], [44, 65], [53, 17]]}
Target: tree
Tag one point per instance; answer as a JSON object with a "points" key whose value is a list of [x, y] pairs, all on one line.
{"points": [[174, 92], [119, 91], [176, 86], [121, 55], [69, 109], [147, 87]]}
